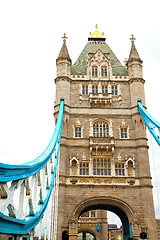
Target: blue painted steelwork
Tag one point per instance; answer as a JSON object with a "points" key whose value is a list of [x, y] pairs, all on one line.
{"points": [[130, 231], [12, 226], [150, 122], [98, 227], [10, 172]]}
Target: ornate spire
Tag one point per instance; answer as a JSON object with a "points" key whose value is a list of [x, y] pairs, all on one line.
{"points": [[64, 51], [96, 35], [133, 53]]}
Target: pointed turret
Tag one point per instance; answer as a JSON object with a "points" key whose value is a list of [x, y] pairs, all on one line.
{"points": [[64, 51], [134, 67], [63, 61], [134, 55], [62, 81], [134, 64]]}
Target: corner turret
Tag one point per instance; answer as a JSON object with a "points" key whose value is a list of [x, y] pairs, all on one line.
{"points": [[134, 67], [62, 81], [63, 61], [134, 64]]}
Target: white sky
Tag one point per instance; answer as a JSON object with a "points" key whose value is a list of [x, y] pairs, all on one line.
{"points": [[30, 41]]}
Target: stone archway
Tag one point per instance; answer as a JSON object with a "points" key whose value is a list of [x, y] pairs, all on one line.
{"points": [[115, 205]]}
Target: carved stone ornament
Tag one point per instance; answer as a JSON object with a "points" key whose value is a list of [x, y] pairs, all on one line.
{"points": [[73, 223], [123, 123], [136, 222], [84, 157], [119, 158]]}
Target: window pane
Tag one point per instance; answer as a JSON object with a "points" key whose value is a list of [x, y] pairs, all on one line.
{"points": [[84, 89], [119, 169], [101, 166], [84, 168]]}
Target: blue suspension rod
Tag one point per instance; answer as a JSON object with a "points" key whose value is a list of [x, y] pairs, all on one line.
{"points": [[149, 119]]}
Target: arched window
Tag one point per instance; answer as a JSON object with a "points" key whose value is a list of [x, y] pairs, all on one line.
{"points": [[104, 71], [94, 71], [100, 129]]}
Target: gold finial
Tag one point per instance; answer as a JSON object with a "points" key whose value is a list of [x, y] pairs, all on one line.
{"points": [[64, 37], [96, 33], [132, 38]]}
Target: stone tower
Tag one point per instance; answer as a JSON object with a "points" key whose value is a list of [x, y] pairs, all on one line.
{"points": [[104, 160]]}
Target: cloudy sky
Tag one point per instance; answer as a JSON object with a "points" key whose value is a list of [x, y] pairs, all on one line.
{"points": [[30, 40]]}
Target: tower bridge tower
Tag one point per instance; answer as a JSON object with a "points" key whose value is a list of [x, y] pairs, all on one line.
{"points": [[104, 161]]}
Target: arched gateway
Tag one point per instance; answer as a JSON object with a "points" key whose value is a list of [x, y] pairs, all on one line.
{"points": [[117, 206], [104, 160]]}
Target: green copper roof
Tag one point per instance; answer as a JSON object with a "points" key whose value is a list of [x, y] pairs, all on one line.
{"points": [[80, 66]]}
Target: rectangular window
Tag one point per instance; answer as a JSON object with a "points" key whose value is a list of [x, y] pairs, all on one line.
{"points": [[104, 89], [101, 166], [94, 89], [84, 89], [94, 71], [84, 169], [124, 133], [119, 169], [104, 71], [78, 132], [114, 90], [93, 214]]}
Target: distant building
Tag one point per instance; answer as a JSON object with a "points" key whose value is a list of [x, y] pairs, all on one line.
{"points": [[115, 233]]}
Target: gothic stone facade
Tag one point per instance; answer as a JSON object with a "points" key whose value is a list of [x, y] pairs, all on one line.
{"points": [[104, 161]]}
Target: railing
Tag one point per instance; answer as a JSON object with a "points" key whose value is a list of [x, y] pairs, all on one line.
{"points": [[25, 190]]}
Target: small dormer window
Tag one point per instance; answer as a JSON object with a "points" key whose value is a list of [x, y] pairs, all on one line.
{"points": [[104, 71], [94, 71]]}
